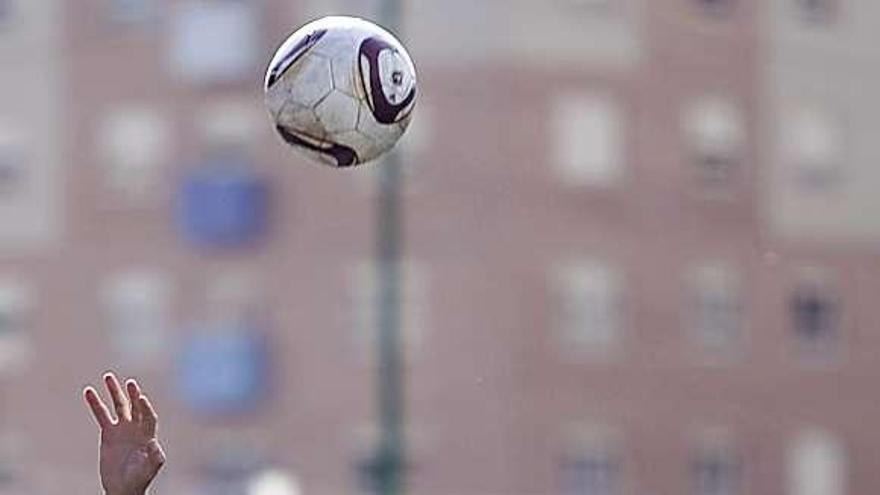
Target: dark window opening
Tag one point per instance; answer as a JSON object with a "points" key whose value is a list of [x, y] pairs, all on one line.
{"points": [[816, 317], [591, 475], [716, 474], [719, 8], [816, 12]]}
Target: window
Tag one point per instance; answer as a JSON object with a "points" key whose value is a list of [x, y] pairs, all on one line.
{"points": [[5, 12], [13, 163], [135, 308], [131, 11], [592, 465], [228, 462], [11, 170], [716, 307], [135, 142], [813, 147], [716, 468], [273, 482], [14, 326], [224, 203], [587, 132], [592, 474], [715, 138], [592, 6], [590, 313], [229, 124], [816, 12], [214, 41], [11, 464], [815, 312], [716, 7], [816, 464], [414, 304], [235, 294], [29, 185], [224, 368]]}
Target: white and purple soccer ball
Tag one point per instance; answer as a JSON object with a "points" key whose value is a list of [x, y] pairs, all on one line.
{"points": [[342, 90]]}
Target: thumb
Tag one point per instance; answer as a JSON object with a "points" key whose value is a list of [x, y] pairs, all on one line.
{"points": [[155, 454]]}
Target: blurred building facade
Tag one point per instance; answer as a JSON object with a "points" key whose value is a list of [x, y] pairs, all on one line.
{"points": [[641, 249]]}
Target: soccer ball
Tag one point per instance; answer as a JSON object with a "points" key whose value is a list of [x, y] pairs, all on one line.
{"points": [[342, 90]]}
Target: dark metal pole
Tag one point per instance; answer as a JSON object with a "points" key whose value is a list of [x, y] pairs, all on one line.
{"points": [[389, 462]]}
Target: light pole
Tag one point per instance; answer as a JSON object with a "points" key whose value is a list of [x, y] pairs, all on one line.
{"points": [[387, 467]]}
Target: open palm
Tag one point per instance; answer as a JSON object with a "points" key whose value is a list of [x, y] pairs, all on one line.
{"points": [[130, 452]]}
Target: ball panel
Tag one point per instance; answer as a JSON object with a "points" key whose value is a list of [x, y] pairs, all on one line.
{"points": [[383, 135], [342, 65], [338, 112], [338, 41], [276, 100], [302, 119], [310, 81]]}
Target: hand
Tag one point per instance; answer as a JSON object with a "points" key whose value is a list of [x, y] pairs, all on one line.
{"points": [[130, 452]]}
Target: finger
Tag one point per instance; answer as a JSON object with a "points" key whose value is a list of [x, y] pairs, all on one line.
{"points": [[99, 409], [149, 418], [134, 395], [120, 404]]}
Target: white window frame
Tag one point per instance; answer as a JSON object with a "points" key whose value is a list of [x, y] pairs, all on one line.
{"points": [[814, 147], [806, 16], [214, 41], [589, 293], [13, 151], [714, 130], [601, 445], [715, 293], [135, 141], [120, 11], [714, 447], [136, 313], [587, 137], [16, 301], [817, 463]]}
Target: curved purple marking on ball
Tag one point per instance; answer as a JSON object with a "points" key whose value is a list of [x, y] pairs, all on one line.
{"points": [[344, 156], [384, 111], [295, 53]]}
